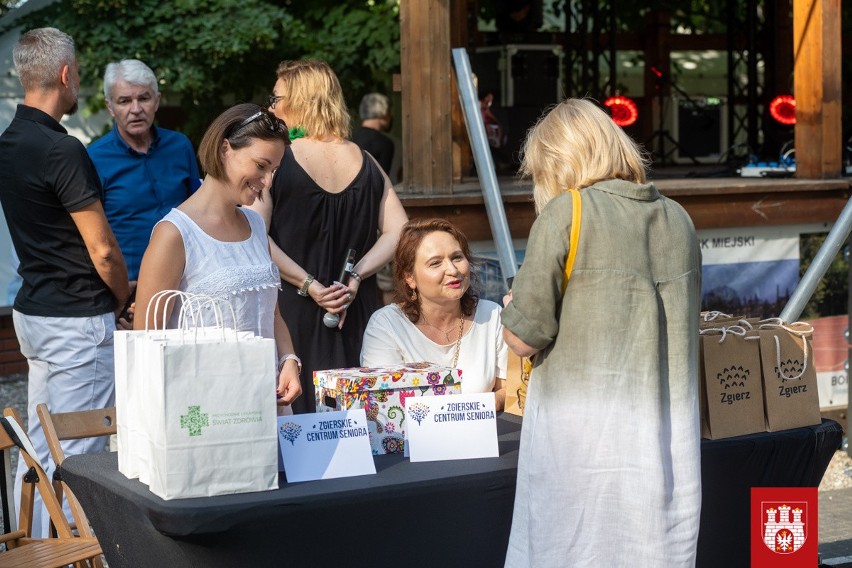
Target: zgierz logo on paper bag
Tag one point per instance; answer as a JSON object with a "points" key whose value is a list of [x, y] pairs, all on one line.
{"points": [[784, 526]]}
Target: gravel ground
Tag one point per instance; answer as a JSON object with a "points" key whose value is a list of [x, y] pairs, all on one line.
{"points": [[839, 472]]}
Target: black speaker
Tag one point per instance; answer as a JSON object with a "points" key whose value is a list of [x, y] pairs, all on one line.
{"points": [[520, 75], [700, 129]]}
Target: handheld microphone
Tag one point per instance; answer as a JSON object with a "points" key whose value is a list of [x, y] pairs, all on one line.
{"points": [[331, 320]]}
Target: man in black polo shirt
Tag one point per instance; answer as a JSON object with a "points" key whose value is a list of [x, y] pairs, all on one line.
{"points": [[74, 277]]}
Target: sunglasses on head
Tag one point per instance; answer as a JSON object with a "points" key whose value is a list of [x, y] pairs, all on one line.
{"points": [[266, 118]]}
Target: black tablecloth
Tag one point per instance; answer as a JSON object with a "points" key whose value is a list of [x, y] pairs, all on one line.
{"points": [[417, 514], [731, 467]]}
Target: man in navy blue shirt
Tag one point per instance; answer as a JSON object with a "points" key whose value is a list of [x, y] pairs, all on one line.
{"points": [[145, 170]]}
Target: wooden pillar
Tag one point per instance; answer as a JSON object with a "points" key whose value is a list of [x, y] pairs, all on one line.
{"points": [[817, 84], [460, 14], [425, 65]]}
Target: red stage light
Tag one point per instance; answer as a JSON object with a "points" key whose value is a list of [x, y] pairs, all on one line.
{"points": [[623, 110], [783, 109]]}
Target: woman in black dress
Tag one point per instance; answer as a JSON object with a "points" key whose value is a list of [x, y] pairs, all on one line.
{"points": [[327, 196]]}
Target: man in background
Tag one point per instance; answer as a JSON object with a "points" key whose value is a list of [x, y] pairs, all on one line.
{"points": [[74, 281], [376, 119], [145, 170]]}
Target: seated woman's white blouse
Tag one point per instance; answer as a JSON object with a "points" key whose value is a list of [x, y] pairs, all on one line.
{"points": [[391, 339]]}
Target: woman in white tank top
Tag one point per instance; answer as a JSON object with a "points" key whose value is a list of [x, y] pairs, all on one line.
{"points": [[213, 245]]}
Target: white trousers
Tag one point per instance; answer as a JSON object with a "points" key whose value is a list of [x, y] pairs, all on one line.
{"points": [[70, 368]]}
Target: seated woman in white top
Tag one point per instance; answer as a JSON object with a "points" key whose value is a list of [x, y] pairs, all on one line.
{"points": [[212, 245], [439, 318]]}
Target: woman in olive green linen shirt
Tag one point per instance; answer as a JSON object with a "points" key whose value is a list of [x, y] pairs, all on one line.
{"points": [[609, 465]]}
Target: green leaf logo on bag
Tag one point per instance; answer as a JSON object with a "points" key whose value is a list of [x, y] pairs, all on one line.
{"points": [[194, 419]]}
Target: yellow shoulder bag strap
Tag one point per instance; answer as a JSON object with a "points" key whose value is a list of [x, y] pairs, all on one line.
{"points": [[576, 212]]}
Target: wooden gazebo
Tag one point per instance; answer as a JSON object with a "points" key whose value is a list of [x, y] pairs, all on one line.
{"points": [[437, 158]]}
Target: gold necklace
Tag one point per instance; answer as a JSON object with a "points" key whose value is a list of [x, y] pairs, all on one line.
{"points": [[446, 332], [458, 341]]}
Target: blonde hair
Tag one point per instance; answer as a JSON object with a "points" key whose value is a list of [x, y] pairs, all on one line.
{"points": [[575, 145], [313, 98]]}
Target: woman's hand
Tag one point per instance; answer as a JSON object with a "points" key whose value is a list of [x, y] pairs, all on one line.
{"points": [[332, 298], [352, 286], [289, 387], [500, 393]]}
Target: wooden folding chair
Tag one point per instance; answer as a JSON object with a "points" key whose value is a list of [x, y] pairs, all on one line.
{"points": [[21, 549], [60, 426]]}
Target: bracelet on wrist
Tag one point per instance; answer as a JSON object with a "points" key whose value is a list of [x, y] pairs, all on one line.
{"points": [[288, 357], [303, 291], [355, 275]]}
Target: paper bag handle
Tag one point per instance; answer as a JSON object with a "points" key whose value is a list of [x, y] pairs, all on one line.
{"points": [[724, 331], [163, 295], [190, 311], [713, 315], [195, 305], [805, 330]]}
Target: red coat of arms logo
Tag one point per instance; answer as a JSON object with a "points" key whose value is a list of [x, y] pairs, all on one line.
{"points": [[784, 525]]}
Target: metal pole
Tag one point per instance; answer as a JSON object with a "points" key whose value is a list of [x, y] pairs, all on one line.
{"points": [[823, 259], [484, 165]]}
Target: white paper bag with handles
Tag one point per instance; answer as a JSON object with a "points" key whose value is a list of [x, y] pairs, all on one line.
{"points": [[211, 410], [131, 420], [127, 420], [204, 406], [129, 384]]}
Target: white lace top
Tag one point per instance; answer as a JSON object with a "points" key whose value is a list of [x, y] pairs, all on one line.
{"points": [[241, 272]]}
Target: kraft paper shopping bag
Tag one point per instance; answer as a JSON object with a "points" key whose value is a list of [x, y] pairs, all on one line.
{"points": [[731, 389], [789, 375], [518, 371]]}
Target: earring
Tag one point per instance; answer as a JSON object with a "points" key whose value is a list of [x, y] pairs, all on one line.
{"points": [[413, 295]]}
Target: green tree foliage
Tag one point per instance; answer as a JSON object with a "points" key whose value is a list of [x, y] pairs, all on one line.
{"points": [[208, 54], [359, 39], [831, 295], [5, 5]]}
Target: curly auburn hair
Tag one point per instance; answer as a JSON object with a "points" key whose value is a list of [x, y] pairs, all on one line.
{"points": [[412, 235]]}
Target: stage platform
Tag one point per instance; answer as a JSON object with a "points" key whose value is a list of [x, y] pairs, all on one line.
{"points": [[711, 200]]}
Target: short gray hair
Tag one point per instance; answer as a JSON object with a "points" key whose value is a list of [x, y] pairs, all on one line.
{"points": [[132, 71], [373, 105], [40, 55]]}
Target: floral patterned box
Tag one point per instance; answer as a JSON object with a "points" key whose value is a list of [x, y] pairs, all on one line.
{"points": [[382, 392]]}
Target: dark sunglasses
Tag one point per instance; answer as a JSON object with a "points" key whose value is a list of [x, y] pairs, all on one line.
{"points": [[270, 121]]}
